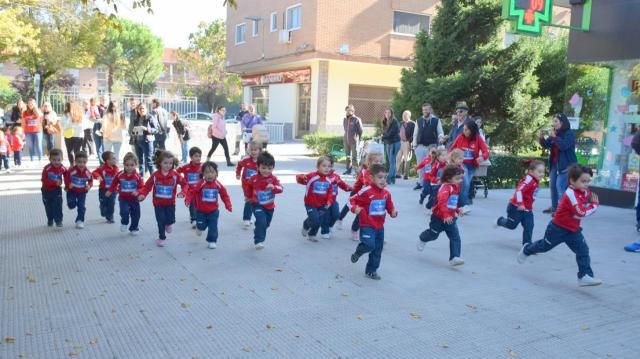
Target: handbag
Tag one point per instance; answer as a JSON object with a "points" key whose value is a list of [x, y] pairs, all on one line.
{"points": [[210, 130]]}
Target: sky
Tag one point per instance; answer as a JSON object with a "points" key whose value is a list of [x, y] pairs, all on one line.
{"points": [[174, 20]]}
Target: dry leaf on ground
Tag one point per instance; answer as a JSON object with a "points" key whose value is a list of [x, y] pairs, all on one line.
{"points": [[415, 315]]}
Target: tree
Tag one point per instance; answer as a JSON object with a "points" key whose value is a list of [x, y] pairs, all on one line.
{"points": [[141, 56], [8, 94], [16, 35], [111, 53]]}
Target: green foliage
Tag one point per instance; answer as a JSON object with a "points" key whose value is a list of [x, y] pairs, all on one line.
{"points": [[8, 94], [16, 35], [322, 143], [142, 56], [506, 170]]}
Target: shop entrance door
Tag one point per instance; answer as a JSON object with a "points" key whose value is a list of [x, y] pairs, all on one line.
{"points": [[304, 110]]}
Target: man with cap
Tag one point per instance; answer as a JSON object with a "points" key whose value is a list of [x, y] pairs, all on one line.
{"points": [[462, 116]]}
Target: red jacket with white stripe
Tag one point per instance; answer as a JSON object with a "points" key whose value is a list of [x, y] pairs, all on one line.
{"points": [[436, 172], [447, 202], [257, 186], [574, 205], [246, 168], [191, 172], [126, 184], [164, 187], [337, 182], [77, 180], [375, 203], [51, 175], [426, 166], [471, 149], [362, 180], [319, 192], [205, 194], [525, 192], [105, 174]]}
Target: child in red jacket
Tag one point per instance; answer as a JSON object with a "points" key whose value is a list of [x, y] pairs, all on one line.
{"points": [[576, 203], [164, 183], [128, 183], [445, 213], [52, 177], [439, 163], [520, 208], [191, 172], [246, 168], [105, 174], [318, 197], [263, 187], [332, 215], [372, 204], [17, 144], [77, 182], [204, 196], [424, 172], [5, 151]]}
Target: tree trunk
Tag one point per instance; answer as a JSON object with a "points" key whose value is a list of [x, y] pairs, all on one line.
{"points": [[110, 79]]}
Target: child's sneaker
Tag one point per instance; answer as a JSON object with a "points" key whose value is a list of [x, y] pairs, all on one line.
{"points": [[198, 232], [522, 257], [633, 247], [80, 225], [259, 246], [421, 201], [456, 261], [160, 242], [355, 236], [373, 276], [193, 225], [588, 281], [354, 257], [123, 228], [168, 228], [247, 224], [134, 232], [312, 239], [420, 245], [59, 225], [212, 245], [304, 232], [465, 210], [338, 224], [50, 224], [326, 236], [496, 224]]}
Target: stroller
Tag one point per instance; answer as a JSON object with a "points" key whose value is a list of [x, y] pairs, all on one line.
{"points": [[372, 145], [479, 181]]}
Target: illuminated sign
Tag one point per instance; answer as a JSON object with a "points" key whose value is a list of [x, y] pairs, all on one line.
{"points": [[528, 16]]}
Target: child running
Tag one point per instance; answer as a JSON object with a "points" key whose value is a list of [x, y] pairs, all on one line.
{"points": [[520, 208], [440, 162], [77, 182], [128, 183], [445, 213], [191, 172], [105, 174], [425, 166], [371, 204], [204, 196], [318, 197], [164, 183], [576, 203], [246, 168], [5, 151], [17, 145], [263, 188], [333, 213], [52, 176]]}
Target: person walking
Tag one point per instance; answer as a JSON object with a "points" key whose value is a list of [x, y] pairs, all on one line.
{"points": [[403, 161], [218, 134], [428, 133], [32, 124], [239, 117], [184, 134], [16, 113], [162, 119], [72, 129], [472, 146], [561, 143], [460, 118], [113, 128], [96, 131], [87, 127], [352, 135], [51, 126], [391, 140], [249, 120], [142, 129]]}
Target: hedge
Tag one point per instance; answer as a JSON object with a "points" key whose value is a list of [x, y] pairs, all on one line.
{"points": [[321, 143]]}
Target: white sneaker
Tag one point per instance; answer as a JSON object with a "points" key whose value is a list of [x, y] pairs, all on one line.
{"points": [[80, 225], [198, 232], [338, 224], [259, 246], [420, 245], [521, 256], [588, 281], [213, 245], [123, 228], [134, 232], [355, 236], [193, 225], [312, 239], [304, 232], [465, 210], [326, 236], [247, 224], [8, 171], [456, 261]]}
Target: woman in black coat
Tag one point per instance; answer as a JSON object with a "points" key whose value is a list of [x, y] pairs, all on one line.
{"points": [[391, 140]]}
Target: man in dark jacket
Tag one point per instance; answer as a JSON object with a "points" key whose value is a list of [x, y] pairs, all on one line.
{"points": [[635, 246], [461, 116], [162, 119], [428, 133], [352, 135], [407, 128]]}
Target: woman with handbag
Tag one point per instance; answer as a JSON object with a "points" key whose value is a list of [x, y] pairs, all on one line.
{"points": [[51, 126], [218, 134], [143, 129]]}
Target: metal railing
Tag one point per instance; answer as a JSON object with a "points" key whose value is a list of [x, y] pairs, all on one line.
{"points": [[276, 131]]}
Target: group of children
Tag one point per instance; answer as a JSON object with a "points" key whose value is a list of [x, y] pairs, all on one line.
{"points": [[11, 144]]}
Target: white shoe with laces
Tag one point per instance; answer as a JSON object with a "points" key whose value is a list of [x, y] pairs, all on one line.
{"points": [[212, 245], [259, 246], [326, 236], [465, 210], [246, 224], [588, 281], [456, 261], [80, 225], [522, 257], [123, 228]]}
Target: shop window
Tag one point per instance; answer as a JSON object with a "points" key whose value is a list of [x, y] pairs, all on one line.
{"points": [[294, 17], [274, 22], [260, 98], [410, 24], [370, 102]]}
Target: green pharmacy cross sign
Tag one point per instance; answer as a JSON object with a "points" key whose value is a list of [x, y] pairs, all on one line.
{"points": [[528, 16]]}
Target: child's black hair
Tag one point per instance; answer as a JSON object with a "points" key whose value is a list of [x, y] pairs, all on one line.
{"points": [[161, 155], [577, 170], [376, 169], [195, 150], [55, 152], [208, 164], [266, 159], [449, 172], [107, 155], [82, 154]]}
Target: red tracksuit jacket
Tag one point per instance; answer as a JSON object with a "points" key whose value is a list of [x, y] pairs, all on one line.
{"points": [[205, 194], [126, 184], [471, 149], [319, 192], [164, 187], [436, 172], [426, 164], [337, 182], [362, 180], [191, 172], [17, 142], [50, 176], [5, 146], [375, 203], [76, 180], [447, 202], [257, 186], [574, 205], [525, 192], [246, 168], [105, 174]]}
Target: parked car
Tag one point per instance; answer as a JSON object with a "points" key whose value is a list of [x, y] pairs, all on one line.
{"points": [[199, 123]]}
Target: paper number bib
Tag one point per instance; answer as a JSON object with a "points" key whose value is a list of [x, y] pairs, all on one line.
{"points": [[427, 168], [209, 195], [320, 187], [165, 192], [128, 186], [193, 178], [265, 197], [452, 202], [468, 155], [32, 122], [78, 182], [108, 181], [54, 177], [249, 173], [378, 207]]}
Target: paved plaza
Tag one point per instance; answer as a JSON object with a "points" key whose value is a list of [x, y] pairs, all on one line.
{"points": [[98, 293]]}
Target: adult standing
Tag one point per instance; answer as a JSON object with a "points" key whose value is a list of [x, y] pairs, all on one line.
{"points": [[471, 144], [405, 154], [16, 113], [239, 117], [133, 113], [249, 120], [113, 128], [183, 132], [635, 246], [428, 133], [162, 119], [72, 130], [352, 135], [96, 130], [32, 124], [561, 143], [51, 125], [143, 129], [219, 134], [391, 140], [461, 117], [87, 128]]}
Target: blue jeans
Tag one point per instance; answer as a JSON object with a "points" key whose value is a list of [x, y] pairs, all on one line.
{"points": [[437, 226], [193, 214], [515, 217], [392, 154], [263, 221], [209, 220], [50, 141], [129, 208], [52, 201], [17, 158], [5, 161], [247, 211], [165, 216], [433, 196], [372, 242], [99, 147], [314, 219], [555, 235], [558, 183], [426, 190], [77, 200], [34, 144], [331, 215], [469, 172], [144, 151], [107, 204], [184, 146]]}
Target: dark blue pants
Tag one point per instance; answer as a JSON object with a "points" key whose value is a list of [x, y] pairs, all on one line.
{"points": [[515, 217], [53, 205], [355, 225], [193, 214], [129, 208], [331, 215], [144, 151], [426, 190], [433, 196], [107, 204], [372, 242], [77, 200], [165, 216], [98, 140], [315, 215], [5, 161], [437, 226], [17, 158], [209, 220], [555, 235], [637, 207], [248, 210], [345, 210], [263, 221]]}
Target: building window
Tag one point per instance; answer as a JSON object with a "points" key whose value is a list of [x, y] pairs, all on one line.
{"points": [[410, 24], [274, 22], [241, 32], [260, 97], [102, 79], [370, 102], [294, 17], [255, 28]]}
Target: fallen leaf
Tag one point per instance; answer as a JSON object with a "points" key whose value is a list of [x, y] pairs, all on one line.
{"points": [[443, 345], [512, 354], [269, 326], [585, 327], [67, 291], [10, 340], [278, 270], [73, 354], [67, 340], [360, 317], [195, 289], [247, 349], [31, 278], [274, 289], [516, 327], [415, 315], [472, 306], [93, 341], [184, 305], [209, 326], [78, 346], [345, 294], [28, 334]]}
